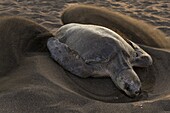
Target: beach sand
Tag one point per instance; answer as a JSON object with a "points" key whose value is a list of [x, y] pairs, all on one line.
{"points": [[31, 82]]}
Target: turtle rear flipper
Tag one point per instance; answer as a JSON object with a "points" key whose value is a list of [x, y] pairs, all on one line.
{"points": [[68, 58]]}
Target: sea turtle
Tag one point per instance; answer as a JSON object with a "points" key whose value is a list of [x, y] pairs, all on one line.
{"points": [[96, 51]]}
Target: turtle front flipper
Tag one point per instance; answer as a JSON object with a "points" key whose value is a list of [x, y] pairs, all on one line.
{"points": [[69, 59], [141, 58]]}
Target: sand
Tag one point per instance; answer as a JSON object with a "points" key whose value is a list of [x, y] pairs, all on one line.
{"points": [[31, 82]]}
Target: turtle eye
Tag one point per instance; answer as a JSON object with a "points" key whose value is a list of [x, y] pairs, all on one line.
{"points": [[127, 87]]}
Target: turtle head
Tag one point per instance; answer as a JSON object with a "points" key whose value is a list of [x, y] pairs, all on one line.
{"points": [[123, 75], [128, 81]]}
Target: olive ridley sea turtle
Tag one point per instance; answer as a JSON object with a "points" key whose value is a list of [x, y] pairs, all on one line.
{"points": [[96, 51]]}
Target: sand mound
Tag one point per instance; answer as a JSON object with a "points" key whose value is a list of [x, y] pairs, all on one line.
{"points": [[135, 30]]}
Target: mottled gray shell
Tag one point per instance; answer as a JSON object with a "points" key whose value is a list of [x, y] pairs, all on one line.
{"points": [[93, 43]]}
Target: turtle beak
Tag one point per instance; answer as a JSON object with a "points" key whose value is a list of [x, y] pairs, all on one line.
{"points": [[134, 94]]}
